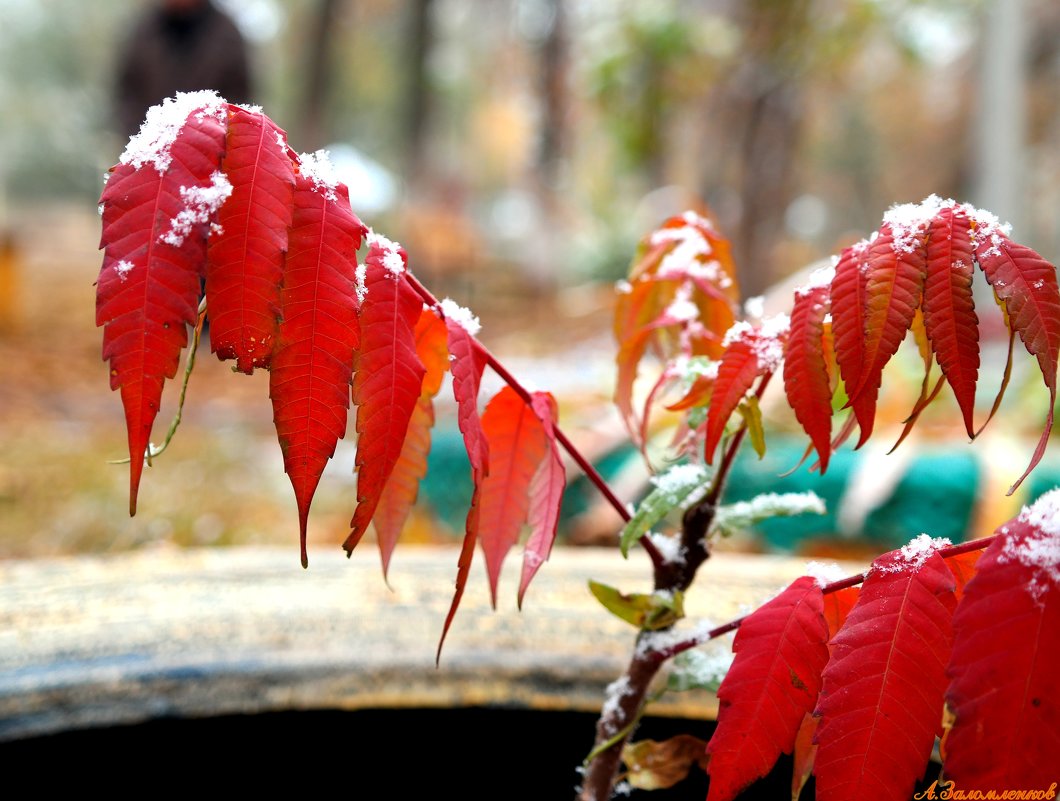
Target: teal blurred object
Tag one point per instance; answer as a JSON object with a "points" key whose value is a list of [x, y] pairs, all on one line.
{"points": [[936, 495]]}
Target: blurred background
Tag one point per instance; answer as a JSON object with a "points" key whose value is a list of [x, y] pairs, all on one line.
{"points": [[519, 149]]}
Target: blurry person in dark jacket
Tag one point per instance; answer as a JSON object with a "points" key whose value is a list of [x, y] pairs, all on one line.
{"points": [[179, 46]]}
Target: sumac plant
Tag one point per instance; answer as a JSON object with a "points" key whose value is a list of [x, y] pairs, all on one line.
{"points": [[209, 212]]}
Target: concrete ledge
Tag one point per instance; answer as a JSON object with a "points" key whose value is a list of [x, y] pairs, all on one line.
{"points": [[99, 641]]}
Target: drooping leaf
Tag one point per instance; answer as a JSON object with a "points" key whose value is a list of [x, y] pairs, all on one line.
{"points": [[312, 364], [804, 753], [893, 286], [650, 612], [400, 491], [806, 380], [881, 699], [545, 494], [1027, 285], [244, 266], [1005, 690], [848, 294], [157, 207], [736, 375], [657, 765], [517, 445], [949, 310], [389, 377], [467, 366], [672, 489], [751, 413], [772, 684]]}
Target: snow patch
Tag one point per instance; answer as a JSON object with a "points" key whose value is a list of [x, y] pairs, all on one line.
{"points": [[911, 556], [669, 548], [755, 307], [821, 277], [361, 282], [1041, 548], [122, 268], [825, 573], [154, 142], [611, 711], [391, 258], [200, 204], [462, 316], [317, 167], [623, 287], [766, 339], [682, 309]]}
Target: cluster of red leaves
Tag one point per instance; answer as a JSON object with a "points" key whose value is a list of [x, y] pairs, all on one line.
{"points": [[855, 682], [914, 274], [210, 192]]}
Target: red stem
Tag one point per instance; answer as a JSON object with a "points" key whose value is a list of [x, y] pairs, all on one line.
{"points": [[828, 589]]}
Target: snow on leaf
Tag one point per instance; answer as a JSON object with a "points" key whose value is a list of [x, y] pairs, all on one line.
{"points": [[313, 360], [517, 445], [1005, 689], [545, 494], [678, 487], [773, 682], [742, 515], [164, 124], [881, 698], [402, 487], [1027, 285], [387, 384], [244, 268], [148, 292], [201, 204]]}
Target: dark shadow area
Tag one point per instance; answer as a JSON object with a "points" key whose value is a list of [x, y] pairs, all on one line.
{"points": [[485, 753]]}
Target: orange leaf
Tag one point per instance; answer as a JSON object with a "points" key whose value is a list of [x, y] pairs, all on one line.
{"points": [[545, 494]]}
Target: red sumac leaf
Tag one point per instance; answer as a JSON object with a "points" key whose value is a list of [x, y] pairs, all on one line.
{"points": [[244, 267], [772, 684], [736, 374], [848, 314], [399, 493], [157, 206], [806, 381], [1027, 285], [881, 700], [949, 310], [386, 386], [517, 446], [312, 363], [1005, 690], [467, 366], [545, 494]]}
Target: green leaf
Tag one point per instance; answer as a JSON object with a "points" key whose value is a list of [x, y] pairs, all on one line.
{"points": [[649, 612], [752, 415], [738, 516], [673, 489], [699, 669]]}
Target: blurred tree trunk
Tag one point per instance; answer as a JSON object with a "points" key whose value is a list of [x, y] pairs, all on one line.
{"points": [[762, 105], [554, 63], [315, 133], [419, 38]]}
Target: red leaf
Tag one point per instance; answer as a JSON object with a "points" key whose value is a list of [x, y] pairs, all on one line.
{"points": [[893, 281], [772, 684], [313, 360], [848, 315], [468, 363], [154, 241], [389, 377], [1005, 691], [546, 494], [517, 445], [736, 375], [806, 380], [949, 311], [399, 493], [245, 264], [1027, 285], [881, 703]]}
